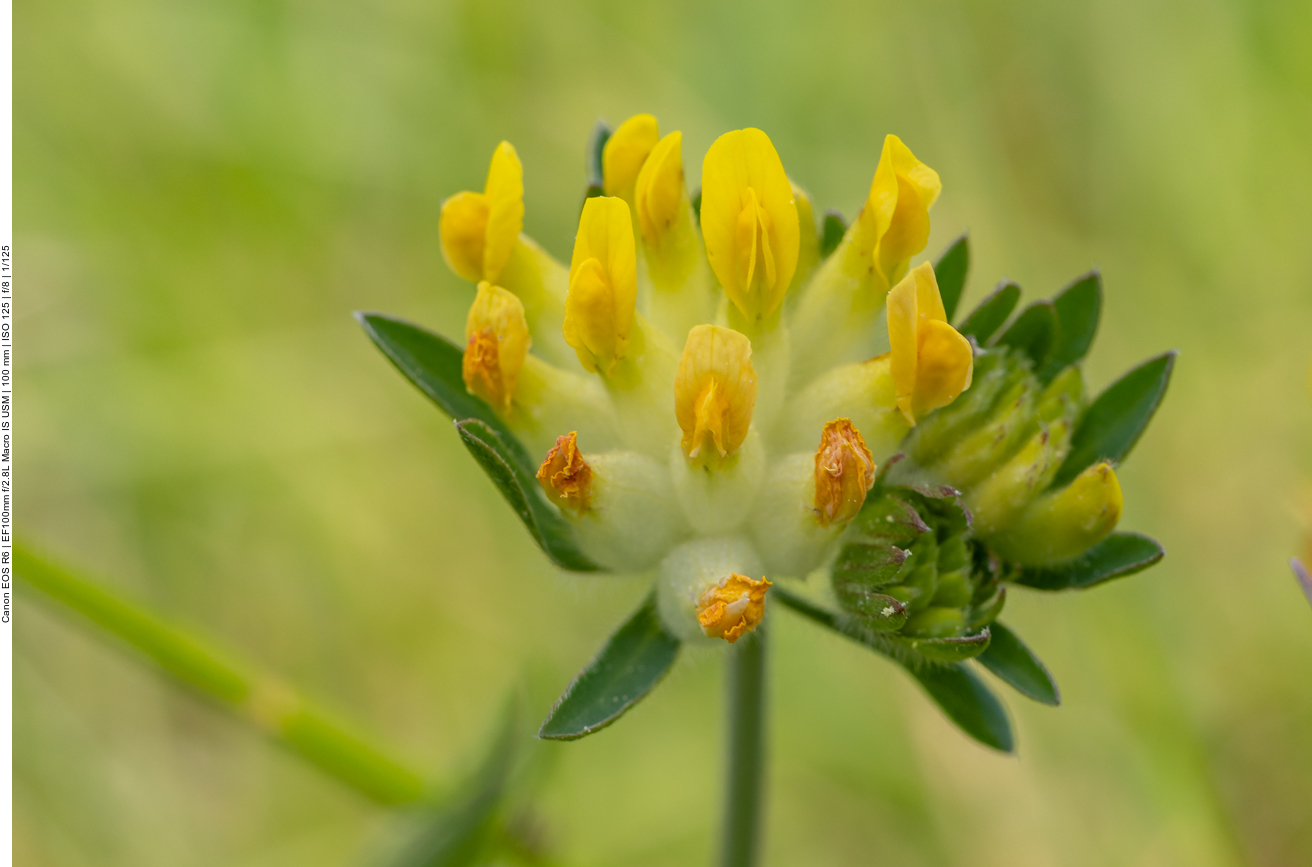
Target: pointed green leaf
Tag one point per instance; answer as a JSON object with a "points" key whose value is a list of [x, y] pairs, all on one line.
{"points": [[1079, 307], [991, 313], [1016, 665], [433, 364], [633, 661], [1117, 556], [545, 524], [968, 703], [950, 272], [596, 146], [697, 205], [955, 649], [832, 231], [1114, 422], [1034, 332], [460, 831], [961, 695]]}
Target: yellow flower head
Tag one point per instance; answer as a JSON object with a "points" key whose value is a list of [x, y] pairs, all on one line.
{"points": [[625, 152], [732, 608], [895, 219], [931, 362], [479, 230], [749, 221], [566, 477], [658, 195], [603, 285], [714, 392], [844, 472], [497, 342]]}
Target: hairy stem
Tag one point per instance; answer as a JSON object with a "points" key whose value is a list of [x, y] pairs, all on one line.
{"points": [[262, 700], [742, 813]]}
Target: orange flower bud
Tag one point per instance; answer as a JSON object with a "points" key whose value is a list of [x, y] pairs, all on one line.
{"points": [[566, 477], [844, 472], [732, 608]]}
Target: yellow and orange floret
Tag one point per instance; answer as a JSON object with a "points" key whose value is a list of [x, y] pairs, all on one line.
{"points": [[697, 422]]}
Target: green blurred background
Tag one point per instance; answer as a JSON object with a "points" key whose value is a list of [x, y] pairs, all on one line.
{"points": [[206, 190]]}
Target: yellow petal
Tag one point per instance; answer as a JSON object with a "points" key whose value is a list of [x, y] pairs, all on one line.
{"points": [[931, 363], [895, 219], [603, 284], [497, 342], [714, 392], [625, 152], [566, 477], [732, 608], [463, 227], [944, 368], [749, 221], [658, 194], [505, 220], [844, 472]]}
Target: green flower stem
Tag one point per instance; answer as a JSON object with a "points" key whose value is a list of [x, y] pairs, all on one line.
{"points": [[262, 700], [742, 814]]}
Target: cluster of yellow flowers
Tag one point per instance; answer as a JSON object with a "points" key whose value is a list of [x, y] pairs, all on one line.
{"points": [[708, 393]]}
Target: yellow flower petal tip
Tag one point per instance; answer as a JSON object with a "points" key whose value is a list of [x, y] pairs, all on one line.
{"points": [[658, 193], [566, 476], [714, 392], [749, 221], [931, 362], [625, 152], [496, 344], [895, 219], [479, 230], [844, 472], [732, 608], [603, 285]]}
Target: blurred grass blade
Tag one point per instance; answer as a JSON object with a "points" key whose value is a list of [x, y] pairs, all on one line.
{"points": [[832, 231], [1114, 422], [548, 528], [596, 146], [968, 703], [463, 830], [953, 687], [1304, 579], [1079, 307], [956, 649], [991, 313], [433, 364], [1017, 666], [950, 271], [633, 661], [1117, 556], [269, 704], [1035, 332]]}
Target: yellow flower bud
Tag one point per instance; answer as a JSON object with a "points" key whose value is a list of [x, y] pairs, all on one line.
{"points": [[844, 472], [714, 392], [603, 285], [658, 193], [749, 221], [931, 362], [1065, 523], [497, 343], [479, 230], [732, 608], [895, 219], [625, 152], [566, 477]]}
